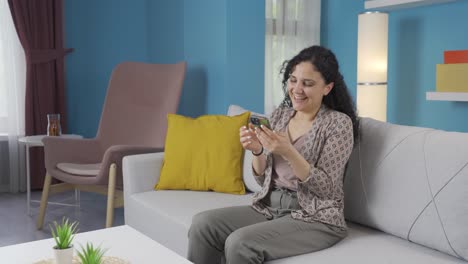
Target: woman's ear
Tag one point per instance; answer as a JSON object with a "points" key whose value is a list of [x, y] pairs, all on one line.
{"points": [[328, 88]]}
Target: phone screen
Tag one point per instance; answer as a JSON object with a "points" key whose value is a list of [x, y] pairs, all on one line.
{"points": [[259, 120]]}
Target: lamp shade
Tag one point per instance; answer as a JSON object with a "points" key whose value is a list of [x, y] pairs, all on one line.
{"points": [[372, 65], [372, 101]]}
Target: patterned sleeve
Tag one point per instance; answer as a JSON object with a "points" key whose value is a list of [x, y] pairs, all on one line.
{"points": [[274, 118], [260, 179], [329, 169]]}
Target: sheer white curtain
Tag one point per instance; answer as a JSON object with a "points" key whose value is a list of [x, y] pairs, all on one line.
{"points": [[12, 94], [291, 25]]}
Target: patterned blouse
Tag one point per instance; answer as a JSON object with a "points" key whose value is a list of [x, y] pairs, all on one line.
{"points": [[327, 147]]}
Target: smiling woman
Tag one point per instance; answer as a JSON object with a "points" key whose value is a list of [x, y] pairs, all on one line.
{"points": [[12, 94], [299, 162]]}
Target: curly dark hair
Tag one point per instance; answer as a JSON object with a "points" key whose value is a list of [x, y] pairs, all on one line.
{"points": [[326, 63]]}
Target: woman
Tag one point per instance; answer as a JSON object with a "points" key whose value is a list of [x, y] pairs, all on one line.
{"points": [[300, 163]]}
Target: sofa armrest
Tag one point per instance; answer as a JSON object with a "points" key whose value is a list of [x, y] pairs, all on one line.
{"points": [[141, 172]]}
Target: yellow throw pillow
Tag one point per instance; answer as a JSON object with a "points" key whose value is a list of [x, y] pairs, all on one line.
{"points": [[203, 154]]}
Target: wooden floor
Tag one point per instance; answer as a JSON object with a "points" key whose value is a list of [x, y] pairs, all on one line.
{"points": [[16, 226]]}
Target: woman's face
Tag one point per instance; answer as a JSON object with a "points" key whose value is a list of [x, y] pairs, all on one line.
{"points": [[306, 88]]}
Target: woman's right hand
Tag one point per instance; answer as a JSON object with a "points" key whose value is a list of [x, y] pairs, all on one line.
{"points": [[249, 139]]}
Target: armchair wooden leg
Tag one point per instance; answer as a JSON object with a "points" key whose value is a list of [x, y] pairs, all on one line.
{"points": [[111, 195], [44, 198]]}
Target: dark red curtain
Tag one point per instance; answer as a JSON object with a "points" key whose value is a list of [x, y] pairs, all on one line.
{"points": [[39, 25]]}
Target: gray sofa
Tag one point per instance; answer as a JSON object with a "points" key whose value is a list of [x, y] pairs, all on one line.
{"points": [[406, 199]]}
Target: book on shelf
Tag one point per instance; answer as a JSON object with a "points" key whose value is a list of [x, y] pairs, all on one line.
{"points": [[452, 77], [455, 56]]}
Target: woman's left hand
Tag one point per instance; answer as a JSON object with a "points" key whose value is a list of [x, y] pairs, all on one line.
{"points": [[274, 142]]}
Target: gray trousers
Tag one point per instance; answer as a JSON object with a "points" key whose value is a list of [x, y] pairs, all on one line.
{"points": [[240, 235]]}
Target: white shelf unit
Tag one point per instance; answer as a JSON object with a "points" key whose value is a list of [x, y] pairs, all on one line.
{"points": [[388, 5], [439, 96]]}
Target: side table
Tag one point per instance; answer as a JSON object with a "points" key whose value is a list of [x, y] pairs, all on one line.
{"points": [[35, 141]]}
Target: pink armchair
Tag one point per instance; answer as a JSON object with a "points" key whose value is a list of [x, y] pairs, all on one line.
{"points": [[133, 121]]}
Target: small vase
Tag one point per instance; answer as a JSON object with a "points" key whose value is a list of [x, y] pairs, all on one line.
{"points": [[53, 125], [63, 256]]}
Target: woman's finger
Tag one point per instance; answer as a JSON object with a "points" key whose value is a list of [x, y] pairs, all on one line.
{"points": [[264, 138], [245, 139], [269, 135], [245, 133], [268, 131]]}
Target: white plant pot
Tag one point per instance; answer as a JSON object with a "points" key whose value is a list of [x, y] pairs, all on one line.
{"points": [[63, 256]]}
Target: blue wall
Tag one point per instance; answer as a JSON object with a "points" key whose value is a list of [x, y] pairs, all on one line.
{"points": [[246, 54], [223, 43], [101, 38], [205, 51], [338, 32], [224, 48], [417, 39], [221, 40], [165, 30]]}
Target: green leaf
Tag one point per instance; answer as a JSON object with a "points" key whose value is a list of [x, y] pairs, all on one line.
{"points": [[64, 233], [91, 254]]}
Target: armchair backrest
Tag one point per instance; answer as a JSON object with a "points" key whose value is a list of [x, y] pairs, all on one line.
{"points": [[139, 97]]}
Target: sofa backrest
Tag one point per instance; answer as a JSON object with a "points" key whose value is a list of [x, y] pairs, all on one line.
{"points": [[411, 182]]}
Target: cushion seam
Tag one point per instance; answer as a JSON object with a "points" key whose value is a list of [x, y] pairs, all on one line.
{"points": [[433, 198]]}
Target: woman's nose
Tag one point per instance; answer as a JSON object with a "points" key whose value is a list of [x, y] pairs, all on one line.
{"points": [[297, 87]]}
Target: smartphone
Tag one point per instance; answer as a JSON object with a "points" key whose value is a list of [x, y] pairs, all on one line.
{"points": [[259, 120]]}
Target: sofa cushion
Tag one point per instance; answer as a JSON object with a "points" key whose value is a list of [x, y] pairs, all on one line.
{"points": [[411, 182], [247, 173], [170, 213], [166, 216], [203, 154], [80, 169], [366, 246]]}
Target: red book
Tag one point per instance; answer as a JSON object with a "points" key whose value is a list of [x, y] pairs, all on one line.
{"points": [[455, 56]]}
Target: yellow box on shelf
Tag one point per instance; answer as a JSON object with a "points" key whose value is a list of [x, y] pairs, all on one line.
{"points": [[452, 77]]}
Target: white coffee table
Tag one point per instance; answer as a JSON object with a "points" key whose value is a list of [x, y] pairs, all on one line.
{"points": [[122, 241], [35, 141]]}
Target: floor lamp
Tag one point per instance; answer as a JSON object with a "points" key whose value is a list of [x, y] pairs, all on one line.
{"points": [[372, 65]]}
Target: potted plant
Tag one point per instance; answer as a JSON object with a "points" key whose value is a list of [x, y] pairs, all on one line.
{"points": [[91, 254], [63, 235]]}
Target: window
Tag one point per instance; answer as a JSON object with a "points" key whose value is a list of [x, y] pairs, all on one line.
{"points": [[290, 26], [12, 76], [3, 94]]}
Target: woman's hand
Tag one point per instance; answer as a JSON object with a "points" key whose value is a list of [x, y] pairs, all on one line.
{"points": [[275, 142], [279, 143], [249, 139]]}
